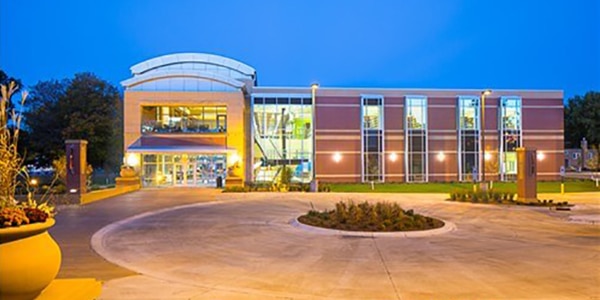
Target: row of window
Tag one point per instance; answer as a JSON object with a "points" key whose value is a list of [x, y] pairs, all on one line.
{"points": [[416, 145], [184, 119]]}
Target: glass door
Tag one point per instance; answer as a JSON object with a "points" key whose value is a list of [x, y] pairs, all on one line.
{"points": [[179, 174], [190, 174]]}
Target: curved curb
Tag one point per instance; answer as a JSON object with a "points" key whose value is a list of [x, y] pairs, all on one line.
{"points": [[585, 219], [448, 227]]}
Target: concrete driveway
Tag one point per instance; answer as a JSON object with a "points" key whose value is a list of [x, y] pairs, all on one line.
{"points": [[241, 246]]}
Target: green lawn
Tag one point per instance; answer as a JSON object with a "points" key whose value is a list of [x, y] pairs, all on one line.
{"points": [[543, 187]]}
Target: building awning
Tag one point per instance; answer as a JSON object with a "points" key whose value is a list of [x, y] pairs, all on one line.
{"points": [[140, 146]]}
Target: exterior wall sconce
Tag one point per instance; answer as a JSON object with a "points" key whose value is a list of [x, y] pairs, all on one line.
{"points": [[541, 156], [132, 159], [337, 157], [487, 156], [393, 156], [441, 156], [234, 159]]}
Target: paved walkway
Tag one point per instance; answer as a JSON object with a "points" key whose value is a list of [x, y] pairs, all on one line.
{"points": [[76, 225], [241, 246]]}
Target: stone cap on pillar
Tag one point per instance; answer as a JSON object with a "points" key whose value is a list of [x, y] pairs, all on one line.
{"points": [[76, 142]]}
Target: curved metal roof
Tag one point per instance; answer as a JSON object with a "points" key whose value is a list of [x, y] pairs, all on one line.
{"points": [[177, 58], [138, 79]]}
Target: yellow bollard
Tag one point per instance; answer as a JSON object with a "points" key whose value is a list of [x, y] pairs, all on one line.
{"points": [[475, 188], [562, 188]]}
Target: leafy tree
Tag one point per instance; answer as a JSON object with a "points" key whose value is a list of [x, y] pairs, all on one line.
{"points": [[84, 107], [582, 119]]}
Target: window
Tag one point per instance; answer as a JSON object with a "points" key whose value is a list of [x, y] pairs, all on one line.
{"points": [[510, 136], [415, 152], [282, 131], [372, 138], [184, 119], [468, 138]]}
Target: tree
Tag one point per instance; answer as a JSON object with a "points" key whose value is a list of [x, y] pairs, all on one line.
{"points": [[582, 119], [84, 107]]}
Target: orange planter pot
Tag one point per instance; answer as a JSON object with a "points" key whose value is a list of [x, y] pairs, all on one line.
{"points": [[29, 260]]}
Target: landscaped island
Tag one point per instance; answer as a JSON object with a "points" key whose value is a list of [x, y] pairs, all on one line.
{"points": [[378, 217]]}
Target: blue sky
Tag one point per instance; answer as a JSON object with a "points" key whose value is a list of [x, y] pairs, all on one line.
{"points": [[507, 44]]}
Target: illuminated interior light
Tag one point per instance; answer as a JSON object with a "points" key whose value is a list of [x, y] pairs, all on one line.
{"points": [[393, 156]]}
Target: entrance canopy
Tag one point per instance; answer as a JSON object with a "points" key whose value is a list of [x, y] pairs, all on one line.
{"points": [[164, 145], [180, 149]]}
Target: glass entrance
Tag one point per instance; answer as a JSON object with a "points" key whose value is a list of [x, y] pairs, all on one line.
{"points": [[200, 170]]}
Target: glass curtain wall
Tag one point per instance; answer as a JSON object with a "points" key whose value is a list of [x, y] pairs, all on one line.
{"points": [[282, 130], [510, 136], [372, 138], [415, 144], [184, 119], [469, 138]]}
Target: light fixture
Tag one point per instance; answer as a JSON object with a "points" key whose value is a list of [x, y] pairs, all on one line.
{"points": [[314, 186], [132, 159], [34, 182], [541, 156], [441, 156], [393, 156], [487, 156], [337, 157], [484, 93], [234, 158]]}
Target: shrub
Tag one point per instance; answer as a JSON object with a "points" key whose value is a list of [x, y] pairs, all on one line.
{"points": [[12, 216], [285, 177], [236, 189], [364, 216], [324, 187]]}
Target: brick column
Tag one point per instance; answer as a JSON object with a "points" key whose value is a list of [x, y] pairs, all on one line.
{"points": [[527, 174], [76, 152]]}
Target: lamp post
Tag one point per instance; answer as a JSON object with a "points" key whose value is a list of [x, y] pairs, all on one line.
{"points": [[314, 184], [482, 159]]}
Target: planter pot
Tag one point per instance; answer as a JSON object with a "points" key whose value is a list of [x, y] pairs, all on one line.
{"points": [[127, 172], [29, 260]]}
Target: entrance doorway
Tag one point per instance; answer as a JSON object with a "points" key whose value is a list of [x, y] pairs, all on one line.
{"points": [[189, 170]]}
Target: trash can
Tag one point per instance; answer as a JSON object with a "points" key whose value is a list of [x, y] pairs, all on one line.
{"points": [[219, 182]]}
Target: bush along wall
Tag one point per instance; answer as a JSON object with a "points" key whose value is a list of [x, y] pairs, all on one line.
{"points": [[493, 197]]}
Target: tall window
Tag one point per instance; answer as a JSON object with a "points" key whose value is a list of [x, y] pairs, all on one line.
{"points": [[372, 138], [469, 138], [510, 136], [282, 131], [184, 119], [415, 152]]}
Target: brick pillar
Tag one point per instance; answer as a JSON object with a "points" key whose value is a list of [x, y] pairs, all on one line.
{"points": [[527, 174], [76, 152]]}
